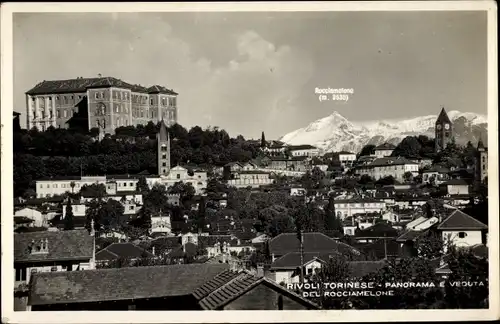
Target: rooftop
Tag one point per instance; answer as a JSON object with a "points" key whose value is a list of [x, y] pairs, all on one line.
{"points": [[82, 84], [120, 283], [62, 245], [385, 146], [458, 220]]}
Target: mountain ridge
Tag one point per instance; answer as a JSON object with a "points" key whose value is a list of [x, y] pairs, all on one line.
{"points": [[336, 133]]}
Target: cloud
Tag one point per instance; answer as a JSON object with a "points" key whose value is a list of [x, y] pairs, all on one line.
{"points": [[254, 91]]}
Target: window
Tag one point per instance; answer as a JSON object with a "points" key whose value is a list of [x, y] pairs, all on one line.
{"points": [[309, 271], [21, 274], [163, 156], [462, 234], [65, 114], [97, 95], [178, 176], [151, 101], [72, 97]]}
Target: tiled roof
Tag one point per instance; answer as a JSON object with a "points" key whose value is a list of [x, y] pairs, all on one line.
{"points": [[443, 117], [458, 220], [82, 84], [359, 269], [292, 260], [120, 283], [385, 146], [62, 245], [229, 286], [122, 250], [210, 240], [313, 242], [456, 182], [161, 89], [409, 236], [163, 244], [301, 147], [378, 230]]}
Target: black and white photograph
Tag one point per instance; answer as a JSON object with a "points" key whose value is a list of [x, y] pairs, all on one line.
{"points": [[229, 159]]}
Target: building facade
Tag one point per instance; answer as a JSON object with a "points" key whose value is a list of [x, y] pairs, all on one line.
{"points": [[105, 103], [384, 150]]}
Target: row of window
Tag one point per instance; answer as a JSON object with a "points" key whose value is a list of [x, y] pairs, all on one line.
{"points": [[63, 185], [361, 205], [65, 99]]}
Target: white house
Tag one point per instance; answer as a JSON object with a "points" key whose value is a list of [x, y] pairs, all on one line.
{"points": [[346, 159], [179, 174], [297, 191], [161, 224], [304, 150], [436, 174], [39, 219], [285, 269], [384, 150], [462, 230], [390, 217], [457, 187], [250, 178], [351, 206]]}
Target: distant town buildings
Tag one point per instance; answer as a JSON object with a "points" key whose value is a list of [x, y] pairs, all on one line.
{"points": [[126, 185], [105, 103]]}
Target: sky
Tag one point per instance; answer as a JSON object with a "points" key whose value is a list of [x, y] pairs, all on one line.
{"points": [[250, 72]]}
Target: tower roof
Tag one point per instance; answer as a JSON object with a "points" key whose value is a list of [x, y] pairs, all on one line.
{"points": [[443, 117], [163, 133], [480, 144]]}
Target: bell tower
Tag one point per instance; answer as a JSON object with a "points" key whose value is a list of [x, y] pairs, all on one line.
{"points": [[443, 130], [481, 162], [163, 150]]}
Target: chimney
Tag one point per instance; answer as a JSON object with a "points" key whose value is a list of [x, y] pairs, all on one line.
{"points": [[260, 270]]}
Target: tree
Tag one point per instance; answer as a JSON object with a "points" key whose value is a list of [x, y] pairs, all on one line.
{"points": [[409, 147], [333, 223], [72, 185], [111, 215], [386, 181], [68, 219], [200, 220], [142, 185], [263, 141], [408, 176], [367, 150]]}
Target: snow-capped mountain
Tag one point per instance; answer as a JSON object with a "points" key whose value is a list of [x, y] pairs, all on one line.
{"points": [[335, 133]]}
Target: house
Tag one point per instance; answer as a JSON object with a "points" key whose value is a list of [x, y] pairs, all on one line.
{"points": [[390, 216], [357, 205], [383, 167], [457, 186], [303, 150], [375, 232], [235, 263], [160, 223], [298, 191], [245, 291], [435, 174], [129, 288], [249, 178], [181, 253], [384, 150], [49, 251], [286, 269], [52, 251], [312, 242], [344, 158], [299, 163], [275, 149], [121, 251], [39, 220], [462, 230]]}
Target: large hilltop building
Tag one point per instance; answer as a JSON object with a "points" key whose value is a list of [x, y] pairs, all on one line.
{"points": [[443, 131], [105, 103]]}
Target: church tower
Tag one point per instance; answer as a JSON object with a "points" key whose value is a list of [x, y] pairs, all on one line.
{"points": [[163, 150], [481, 162], [443, 131]]}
